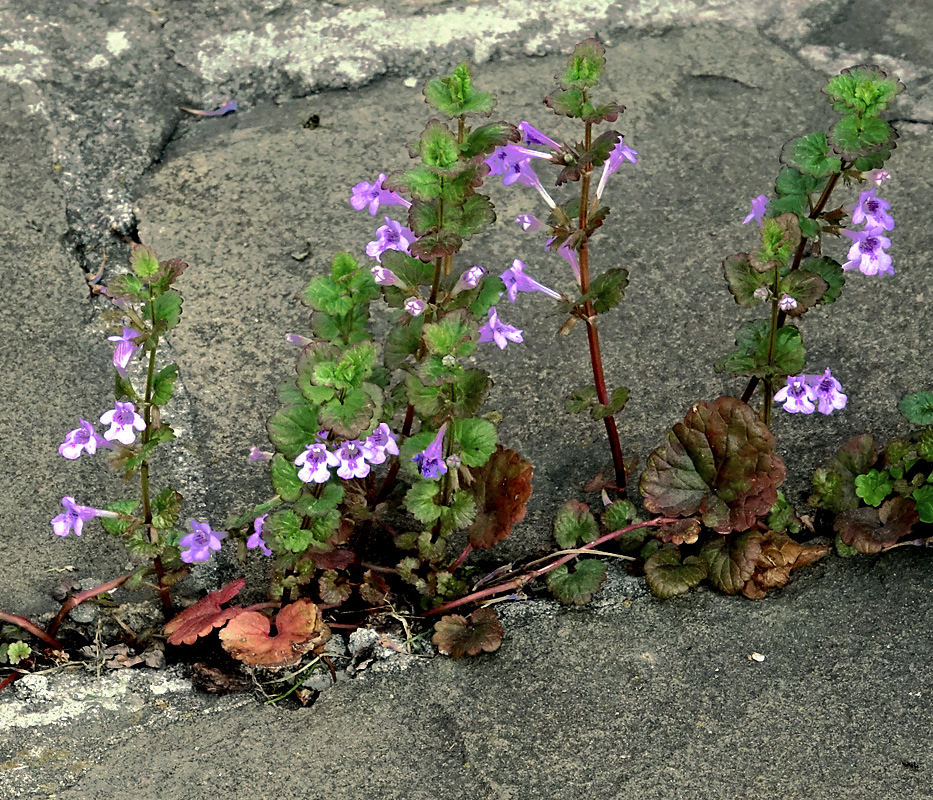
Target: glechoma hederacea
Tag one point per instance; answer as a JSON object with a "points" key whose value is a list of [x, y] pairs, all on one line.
{"points": [[382, 457]]}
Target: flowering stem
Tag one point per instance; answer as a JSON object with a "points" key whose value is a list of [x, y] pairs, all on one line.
{"points": [[592, 333], [31, 627], [778, 317], [521, 580]]}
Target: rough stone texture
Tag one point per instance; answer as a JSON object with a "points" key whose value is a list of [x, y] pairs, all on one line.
{"points": [[630, 697]]}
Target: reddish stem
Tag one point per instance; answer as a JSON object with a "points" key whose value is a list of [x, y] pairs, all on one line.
{"points": [[77, 599], [31, 627], [461, 558]]}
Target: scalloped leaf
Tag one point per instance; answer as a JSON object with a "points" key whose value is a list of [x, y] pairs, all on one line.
{"points": [[834, 482], [455, 94], [752, 355], [299, 630], [830, 271], [923, 497], [285, 478], [854, 137], [918, 408], [608, 289], [597, 155], [574, 525], [333, 588], [667, 577], [793, 182], [455, 636], [477, 440], [143, 261], [807, 288], [292, 429], [810, 154], [779, 555], [501, 489], [731, 560], [873, 530], [486, 138], [205, 615], [577, 587], [679, 531], [163, 384], [744, 279], [864, 89], [873, 487], [718, 463]]}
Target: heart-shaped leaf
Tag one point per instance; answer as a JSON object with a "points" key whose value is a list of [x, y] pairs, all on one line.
{"points": [[299, 629], [873, 530], [834, 482], [455, 636], [667, 577], [501, 489], [574, 525], [731, 560], [205, 615], [578, 586]]}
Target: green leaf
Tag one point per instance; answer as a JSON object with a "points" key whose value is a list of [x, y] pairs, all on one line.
{"points": [[469, 390], [810, 155], [163, 384], [474, 215], [350, 416], [156, 437], [437, 146], [126, 286], [291, 429], [807, 288], [582, 399], [923, 497], [834, 482], [830, 271], [873, 487], [425, 399], [454, 94], [614, 406], [17, 651], [853, 136], [123, 388], [608, 289], [597, 154], [118, 527], [568, 103], [730, 560], [809, 228], [779, 238], [143, 261], [166, 506], [285, 478], [918, 408], [619, 514], [459, 512], [486, 138], [783, 517], [789, 204], [419, 500], [489, 291], [402, 341], [719, 463], [436, 245], [326, 295], [744, 280], [477, 440], [866, 90], [310, 506], [752, 356], [574, 525], [667, 577], [585, 66], [166, 311], [790, 182], [875, 159], [579, 586], [452, 336]]}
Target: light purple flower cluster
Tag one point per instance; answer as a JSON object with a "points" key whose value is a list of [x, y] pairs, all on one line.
{"points": [[123, 421], [808, 393], [352, 458], [198, 545], [867, 253]]}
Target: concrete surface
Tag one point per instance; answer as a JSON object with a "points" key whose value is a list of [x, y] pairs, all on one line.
{"points": [[94, 139]]}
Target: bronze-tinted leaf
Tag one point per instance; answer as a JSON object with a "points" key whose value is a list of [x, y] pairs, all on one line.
{"points": [[834, 482], [873, 530], [667, 577], [299, 629], [374, 590], [718, 463], [333, 588], [501, 490], [731, 560], [205, 615], [678, 532], [455, 636], [779, 555]]}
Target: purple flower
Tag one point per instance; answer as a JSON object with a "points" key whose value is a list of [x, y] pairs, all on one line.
{"points": [[352, 460], [431, 460], [200, 542], [255, 454], [529, 222], [762, 293], [74, 517], [516, 281], [619, 152], [531, 135], [256, 539], [125, 350], [872, 211], [297, 339], [867, 252], [759, 204], [122, 420], [385, 277], [468, 280], [878, 176], [498, 332], [512, 162], [314, 463], [415, 306], [568, 253], [83, 438], [373, 195], [828, 391], [380, 442], [391, 236], [796, 396], [786, 303]]}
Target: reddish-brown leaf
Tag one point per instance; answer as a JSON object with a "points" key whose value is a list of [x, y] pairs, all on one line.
{"points": [[374, 590], [679, 531], [501, 491], [299, 629], [205, 615], [873, 530], [779, 555], [455, 636]]}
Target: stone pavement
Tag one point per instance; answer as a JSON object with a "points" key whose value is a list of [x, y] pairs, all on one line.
{"points": [[627, 697]]}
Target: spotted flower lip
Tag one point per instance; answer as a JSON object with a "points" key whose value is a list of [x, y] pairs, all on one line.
{"points": [[352, 460], [74, 517], [797, 396], [415, 306], [125, 349], [371, 196], [378, 443], [83, 439], [391, 236], [867, 253], [315, 463], [827, 391], [430, 461], [124, 422], [872, 211], [499, 332], [516, 280], [198, 545]]}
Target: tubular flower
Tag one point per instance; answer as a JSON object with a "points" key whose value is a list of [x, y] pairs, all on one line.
{"points": [[827, 391], [372, 195], [867, 253], [380, 442], [796, 396], [529, 222], [123, 421], [516, 281], [74, 517], [531, 135], [256, 539], [787, 303], [200, 542], [619, 152], [498, 332], [759, 204], [391, 236], [431, 460], [314, 463], [124, 350], [81, 439], [468, 280], [872, 211], [385, 277]]}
